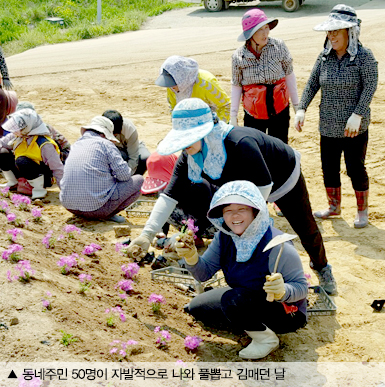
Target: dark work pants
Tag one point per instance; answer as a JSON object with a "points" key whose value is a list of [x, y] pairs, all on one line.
{"points": [[354, 150], [144, 154], [295, 206], [243, 309], [25, 167], [276, 126]]}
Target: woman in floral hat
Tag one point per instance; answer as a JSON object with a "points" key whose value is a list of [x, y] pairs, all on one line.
{"points": [[262, 74], [238, 210], [347, 74], [215, 153]]}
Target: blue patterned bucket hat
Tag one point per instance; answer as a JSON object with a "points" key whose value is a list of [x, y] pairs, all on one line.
{"points": [[192, 120], [341, 16]]}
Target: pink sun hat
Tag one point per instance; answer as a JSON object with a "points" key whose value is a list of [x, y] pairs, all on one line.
{"points": [[252, 21], [159, 172]]}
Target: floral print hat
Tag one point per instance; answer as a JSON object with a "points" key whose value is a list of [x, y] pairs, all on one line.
{"points": [[341, 16]]}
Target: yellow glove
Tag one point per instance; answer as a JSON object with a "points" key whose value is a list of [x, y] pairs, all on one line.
{"points": [[275, 285], [186, 249]]}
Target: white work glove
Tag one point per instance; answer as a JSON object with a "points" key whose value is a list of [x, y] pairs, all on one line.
{"points": [[138, 248], [234, 120], [187, 249], [275, 285], [299, 119], [7, 84], [353, 125]]}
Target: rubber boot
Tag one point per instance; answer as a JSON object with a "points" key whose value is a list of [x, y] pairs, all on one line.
{"points": [[11, 179], [38, 190], [361, 219], [334, 199], [262, 344]]}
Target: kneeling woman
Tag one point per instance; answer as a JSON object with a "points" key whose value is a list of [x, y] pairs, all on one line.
{"points": [[239, 211]]}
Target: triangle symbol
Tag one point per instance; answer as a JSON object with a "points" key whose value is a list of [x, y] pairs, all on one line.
{"points": [[12, 375]]}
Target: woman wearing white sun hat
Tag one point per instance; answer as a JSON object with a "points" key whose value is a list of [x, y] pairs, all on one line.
{"points": [[347, 74], [215, 153]]}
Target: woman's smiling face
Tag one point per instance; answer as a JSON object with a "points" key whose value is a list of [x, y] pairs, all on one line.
{"points": [[238, 217]]}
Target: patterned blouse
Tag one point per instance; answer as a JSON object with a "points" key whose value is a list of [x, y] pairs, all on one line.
{"points": [[347, 86], [274, 64]]}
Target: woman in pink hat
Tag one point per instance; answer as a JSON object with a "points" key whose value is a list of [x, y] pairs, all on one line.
{"points": [[262, 74]]}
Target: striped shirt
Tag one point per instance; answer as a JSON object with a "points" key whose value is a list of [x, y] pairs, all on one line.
{"points": [[274, 64], [91, 173], [347, 87]]}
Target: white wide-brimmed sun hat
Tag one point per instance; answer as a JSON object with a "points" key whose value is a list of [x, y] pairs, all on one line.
{"points": [[192, 120], [103, 125], [341, 16]]}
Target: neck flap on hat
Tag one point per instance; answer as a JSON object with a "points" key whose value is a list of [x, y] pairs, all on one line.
{"points": [[185, 73], [34, 126], [354, 39], [212, 158], [249, 240]]}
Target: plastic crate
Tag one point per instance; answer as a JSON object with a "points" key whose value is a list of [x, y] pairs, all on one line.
{"points": [[319, 303], [141, 208], [178, 275]]}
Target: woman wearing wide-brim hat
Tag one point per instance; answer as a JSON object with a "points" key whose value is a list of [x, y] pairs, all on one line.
{"points": [[215, 153], [347, 74], [262, 74]]}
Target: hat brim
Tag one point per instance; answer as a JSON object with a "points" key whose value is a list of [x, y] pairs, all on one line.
{"points": [[217, 210], [11, 125], [177, 140], [246, 35], [333, 25], [152, 185], [100, 129], [165, 80]]}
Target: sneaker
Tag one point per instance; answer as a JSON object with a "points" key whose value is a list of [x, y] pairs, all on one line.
{"points": [[326, 280], [117, 219]]}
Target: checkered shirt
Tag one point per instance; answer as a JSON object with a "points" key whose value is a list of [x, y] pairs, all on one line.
{"points": [[91, 173], [274, 64], [347, 86]]}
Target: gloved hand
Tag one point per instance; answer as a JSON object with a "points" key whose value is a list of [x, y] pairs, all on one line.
{"points": [[7, 84], [138, 248], [299, 119], [234, 120], [275, 285], [353, 125], [187, 249]]}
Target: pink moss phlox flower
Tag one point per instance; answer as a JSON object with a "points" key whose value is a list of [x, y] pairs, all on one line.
{"points": [[113, 350], [130, 269], [118, 247], [123, 347], [131, 342], [192, 342], [26, 222], [89, 250], [60, 237], [117, 311], [46, 304], [85, 278], [164, 337], [12, 253], [67, 263], [20, 201], [125, 285], [36, 213], [123, 296], [49, 241], [13, 233], [25, 271], [156, 301], [122, 353], [4, 206], [11, 217], [49, 294], [4, 192], [95, 246], [70, 229], [9, 276]]}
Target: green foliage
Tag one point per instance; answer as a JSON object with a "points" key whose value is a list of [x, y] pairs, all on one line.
{"points": [[23, 25], [67, 339]]}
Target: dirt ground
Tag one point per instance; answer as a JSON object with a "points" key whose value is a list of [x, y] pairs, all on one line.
{"points": [[68, 99]]}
